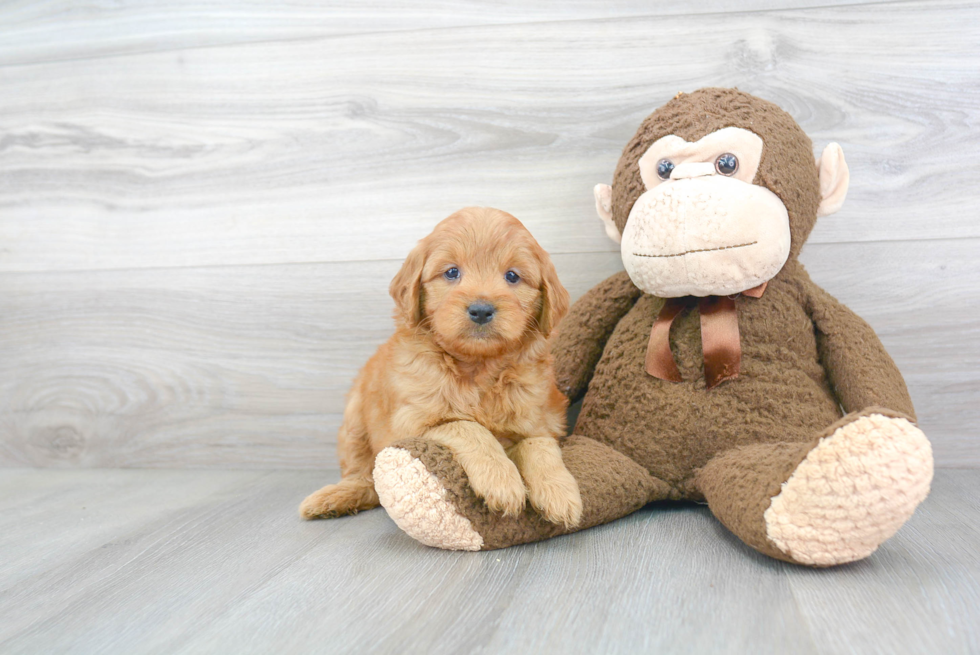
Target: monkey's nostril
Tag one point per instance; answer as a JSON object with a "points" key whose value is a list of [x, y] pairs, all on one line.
{"points": [[481, 313]]}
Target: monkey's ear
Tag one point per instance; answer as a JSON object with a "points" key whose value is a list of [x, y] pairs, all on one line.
{"points": [[406, 287], [603, 205], [834, 178]]}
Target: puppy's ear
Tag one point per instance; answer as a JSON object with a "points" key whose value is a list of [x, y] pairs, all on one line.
{"points": [[406, 287], [554, 296]]}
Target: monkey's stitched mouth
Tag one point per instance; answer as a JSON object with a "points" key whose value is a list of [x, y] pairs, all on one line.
{"points": [[688, 252]]}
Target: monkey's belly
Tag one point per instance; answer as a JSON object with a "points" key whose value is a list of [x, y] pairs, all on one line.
{"points": [[672, 429]]}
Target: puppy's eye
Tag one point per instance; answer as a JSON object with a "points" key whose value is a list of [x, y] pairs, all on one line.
{"points": [[726, 164], [452, 274], [664, 168], [512, 277]]}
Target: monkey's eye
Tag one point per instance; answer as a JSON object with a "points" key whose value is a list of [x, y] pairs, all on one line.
{"points": [[664, 167], [452, 274], [512, 277], [726, 164]]}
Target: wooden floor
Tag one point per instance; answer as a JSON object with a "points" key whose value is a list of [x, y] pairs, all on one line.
{"points": [[123, 561]]}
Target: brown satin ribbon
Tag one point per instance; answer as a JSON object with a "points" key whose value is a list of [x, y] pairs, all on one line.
{"points": [[720, 340], [756, 292]]}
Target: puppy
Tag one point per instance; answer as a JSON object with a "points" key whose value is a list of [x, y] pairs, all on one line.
{"points": [[469, 367]]}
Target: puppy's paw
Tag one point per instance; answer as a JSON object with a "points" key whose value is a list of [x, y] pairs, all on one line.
{"points": [[556, 497], [347, 497], [500, 485]]}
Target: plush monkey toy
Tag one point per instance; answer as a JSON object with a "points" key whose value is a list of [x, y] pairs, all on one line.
{"points": [[713, 369]]}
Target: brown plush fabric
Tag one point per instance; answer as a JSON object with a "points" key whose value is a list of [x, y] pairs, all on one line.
{"points": [[672, 429], [582, 334], [788, 168], [739, 484], [853, 356], [806, 361], [611, 485]]}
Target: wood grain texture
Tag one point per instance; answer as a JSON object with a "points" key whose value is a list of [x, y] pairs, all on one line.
{"points": [[249, 366], [226, 366], [222, 564], [348, 148], [201, 204], [50, 521], [38, 31]]}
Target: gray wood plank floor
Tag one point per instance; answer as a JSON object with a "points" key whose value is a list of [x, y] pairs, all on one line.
{"points": [[123, 561]]}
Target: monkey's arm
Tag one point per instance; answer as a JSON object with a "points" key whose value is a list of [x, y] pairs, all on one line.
{"points": [[582, 334], [860, 370]]}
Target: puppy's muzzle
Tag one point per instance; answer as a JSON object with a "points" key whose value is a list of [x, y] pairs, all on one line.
{"points": [[481, 313]]}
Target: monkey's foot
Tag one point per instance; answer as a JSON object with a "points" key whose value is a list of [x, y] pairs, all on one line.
{"points": [[428, 495], [416, 501], [853, 491]]}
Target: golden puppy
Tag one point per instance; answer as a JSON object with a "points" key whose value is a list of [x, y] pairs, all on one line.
{"points": [[469, 367]]}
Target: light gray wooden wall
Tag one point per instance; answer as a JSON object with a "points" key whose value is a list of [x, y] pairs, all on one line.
{"points": [[201, 204]]}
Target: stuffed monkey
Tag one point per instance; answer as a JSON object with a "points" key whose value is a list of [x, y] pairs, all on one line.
{"points": [[713, 369]]}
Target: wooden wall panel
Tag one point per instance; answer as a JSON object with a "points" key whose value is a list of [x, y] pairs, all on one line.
{"points": [[349, 148], [36, 31], [201, 205], [247, 367]]}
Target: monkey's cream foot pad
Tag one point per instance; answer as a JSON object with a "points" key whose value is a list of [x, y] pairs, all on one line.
{"points": [[416, 501], [853, 491]]}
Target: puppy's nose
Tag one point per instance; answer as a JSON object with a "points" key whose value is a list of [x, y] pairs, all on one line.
{"points": [[481, 313]]}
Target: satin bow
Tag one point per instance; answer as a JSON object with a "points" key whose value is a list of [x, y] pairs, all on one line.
{"points": [[720, 340]]}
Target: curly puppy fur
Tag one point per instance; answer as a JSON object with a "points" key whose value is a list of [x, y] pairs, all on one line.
{"points": [[483, 388]]}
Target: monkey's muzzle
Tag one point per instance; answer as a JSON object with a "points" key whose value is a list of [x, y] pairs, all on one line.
{"points": [[705, 236]]}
